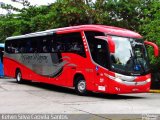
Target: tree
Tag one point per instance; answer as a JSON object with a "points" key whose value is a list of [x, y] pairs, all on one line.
{"points": [[25, 3], [150, 26]]}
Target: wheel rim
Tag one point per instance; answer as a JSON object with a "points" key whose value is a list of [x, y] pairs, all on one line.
{"points": [[81, 86], [19, 77]]}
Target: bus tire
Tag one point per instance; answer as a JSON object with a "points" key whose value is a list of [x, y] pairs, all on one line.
{"points": [[19, 77], [80, 86]]}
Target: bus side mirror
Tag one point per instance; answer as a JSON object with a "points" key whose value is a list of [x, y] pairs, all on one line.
{"points": [[155, 47], [109, 41], [111, 44]]}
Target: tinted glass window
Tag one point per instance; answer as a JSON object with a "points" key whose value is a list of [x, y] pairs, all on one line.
{"points": [[11, 46], [30, 45], [130, 57], [71, 43], [98, 48]]}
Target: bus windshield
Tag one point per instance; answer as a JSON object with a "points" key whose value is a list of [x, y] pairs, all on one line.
{"points": [[130, 56]]}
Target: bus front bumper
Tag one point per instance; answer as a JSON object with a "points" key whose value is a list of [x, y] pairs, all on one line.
{"points": [[119, 87]]}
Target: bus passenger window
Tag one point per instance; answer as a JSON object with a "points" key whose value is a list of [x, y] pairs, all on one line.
{"points": [[71, 43], [45, 49], [59, 47], [76, 47], [9, 48], [51, 46]]}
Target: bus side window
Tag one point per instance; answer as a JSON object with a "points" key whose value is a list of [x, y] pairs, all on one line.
{"points": [[10, 47], [46, 44], [45, 49], [71, 43], [7, 47], [98, 48], [52, 46]]}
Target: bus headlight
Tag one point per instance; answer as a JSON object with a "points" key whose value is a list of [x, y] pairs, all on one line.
{"points": [[118, 80], [115, 78], [124, 77], [148, 80]]}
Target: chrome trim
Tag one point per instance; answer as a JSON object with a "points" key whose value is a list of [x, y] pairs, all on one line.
{"points": [[36, 34], [134, 83], [128, 82], [124, 77]]}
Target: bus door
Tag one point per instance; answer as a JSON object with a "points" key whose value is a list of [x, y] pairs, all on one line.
{"points": [[100, 57], [99, 51]]}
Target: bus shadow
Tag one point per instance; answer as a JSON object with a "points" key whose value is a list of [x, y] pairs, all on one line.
{"points": [[72, 91], [114, 97]]}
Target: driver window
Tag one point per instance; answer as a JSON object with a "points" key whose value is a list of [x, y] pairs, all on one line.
{"points": [[98, 48]]}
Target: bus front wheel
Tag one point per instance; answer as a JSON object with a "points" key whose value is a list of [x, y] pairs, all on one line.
{"points": [[19, 77], [80, 86]]}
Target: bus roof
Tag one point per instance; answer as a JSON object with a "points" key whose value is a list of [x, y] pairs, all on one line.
{"points": [[101, 28]]}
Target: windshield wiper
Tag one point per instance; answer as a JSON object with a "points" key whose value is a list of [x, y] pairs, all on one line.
{"points": [[132, 58], [141, 65]]}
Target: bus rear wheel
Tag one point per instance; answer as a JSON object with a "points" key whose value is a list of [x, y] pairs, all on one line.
{"points": [[19, 77], [80, 86]]}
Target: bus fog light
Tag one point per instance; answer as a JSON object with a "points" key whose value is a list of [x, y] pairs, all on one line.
{"points": [[148, 80]]}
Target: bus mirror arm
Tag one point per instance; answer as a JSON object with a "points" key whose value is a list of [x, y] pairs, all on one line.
{"points": [[111, 44], [109, 41], [155, 47]]}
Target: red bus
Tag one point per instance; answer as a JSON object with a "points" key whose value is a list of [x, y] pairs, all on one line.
{"points": [[94, 58]]}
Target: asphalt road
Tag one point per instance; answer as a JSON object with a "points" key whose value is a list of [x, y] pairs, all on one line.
{"points": [[33, 97]]}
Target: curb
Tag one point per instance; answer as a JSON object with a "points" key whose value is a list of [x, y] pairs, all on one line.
{"points": [[154, 91]]}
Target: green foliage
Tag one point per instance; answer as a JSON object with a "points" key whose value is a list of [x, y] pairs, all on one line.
{"points": [[150, 26]]}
